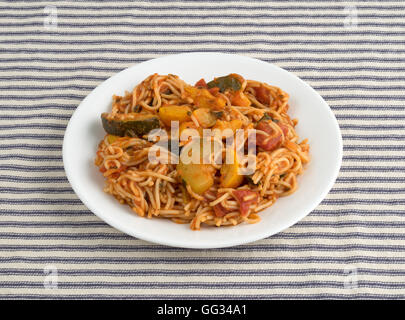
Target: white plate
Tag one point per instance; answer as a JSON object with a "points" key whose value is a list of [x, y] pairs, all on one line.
{"points": [[316, 122]]}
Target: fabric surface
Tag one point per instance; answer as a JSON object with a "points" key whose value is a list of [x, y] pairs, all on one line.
{"points": [[53, 54]]}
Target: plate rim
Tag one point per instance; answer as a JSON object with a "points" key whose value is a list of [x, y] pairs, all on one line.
{"points": [[172, 243]]}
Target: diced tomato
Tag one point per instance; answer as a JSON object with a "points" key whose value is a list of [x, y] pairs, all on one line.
{"points": [[266, 143], [244, 205], [262, 94], [103, 169], [201, 83], [219, 210]]}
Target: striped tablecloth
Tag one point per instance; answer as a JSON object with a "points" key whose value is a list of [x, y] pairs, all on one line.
{"points": [[53, 53]]}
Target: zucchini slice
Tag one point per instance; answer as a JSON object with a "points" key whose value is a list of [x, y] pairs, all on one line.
{"points": [[130, 125], [227, 82]]}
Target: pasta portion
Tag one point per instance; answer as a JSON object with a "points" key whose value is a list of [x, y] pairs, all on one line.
{"points": [[223, 188]]}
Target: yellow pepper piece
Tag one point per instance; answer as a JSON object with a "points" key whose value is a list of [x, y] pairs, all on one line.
{"points": [[169, 113], [230, 178]]}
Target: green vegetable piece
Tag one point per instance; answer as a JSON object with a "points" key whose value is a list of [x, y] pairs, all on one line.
{"points": [[138, 126], [224, 83]]}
